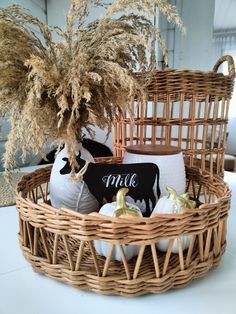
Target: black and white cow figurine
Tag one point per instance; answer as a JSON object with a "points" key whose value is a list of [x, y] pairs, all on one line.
{"points": [[104, 180]]}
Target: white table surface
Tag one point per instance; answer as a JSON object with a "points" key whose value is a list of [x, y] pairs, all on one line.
{"points": [[22, 291]]}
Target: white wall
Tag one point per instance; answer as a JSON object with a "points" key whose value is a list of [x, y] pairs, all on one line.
{"points": [[57, 11], [168, 32], [37, 7], [194, 50]]}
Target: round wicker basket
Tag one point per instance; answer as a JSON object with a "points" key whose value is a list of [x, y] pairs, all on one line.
{"points": [[59, 242], [187, 109]]}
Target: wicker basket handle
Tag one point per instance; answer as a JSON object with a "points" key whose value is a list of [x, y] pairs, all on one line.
{"points": [[231, 66]]}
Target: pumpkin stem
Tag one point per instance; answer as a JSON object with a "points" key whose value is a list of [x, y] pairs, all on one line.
{"points": [[182, 199], [121, 206]]}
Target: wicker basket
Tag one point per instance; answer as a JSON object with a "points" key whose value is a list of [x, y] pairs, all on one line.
{"points": [[59, 242], [188, 109]]}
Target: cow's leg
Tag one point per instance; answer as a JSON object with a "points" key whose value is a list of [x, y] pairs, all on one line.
{"points": [[147, 212], [153, 200]]}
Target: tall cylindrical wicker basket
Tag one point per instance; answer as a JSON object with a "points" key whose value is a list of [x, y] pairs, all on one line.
{"points": [[186, 109]]}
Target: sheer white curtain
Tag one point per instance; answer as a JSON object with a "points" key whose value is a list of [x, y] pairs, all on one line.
{"points": [[225, 43]]}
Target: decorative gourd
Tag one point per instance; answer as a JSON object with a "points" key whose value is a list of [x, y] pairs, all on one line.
{"points": [[170, 204], [67, 192], [118, 209]]}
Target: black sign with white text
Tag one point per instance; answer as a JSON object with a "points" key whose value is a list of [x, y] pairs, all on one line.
{"points": [[104, 180]]}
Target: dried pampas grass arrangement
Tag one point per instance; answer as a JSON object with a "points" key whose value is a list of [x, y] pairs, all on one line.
{"points": [[54, 90]]}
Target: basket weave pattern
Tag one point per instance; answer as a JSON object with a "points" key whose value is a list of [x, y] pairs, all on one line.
{"points": [[187, 109], [59, 242]]}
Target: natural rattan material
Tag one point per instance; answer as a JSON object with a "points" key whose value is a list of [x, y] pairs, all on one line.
{"points": [[187, 109], [59, 242]]}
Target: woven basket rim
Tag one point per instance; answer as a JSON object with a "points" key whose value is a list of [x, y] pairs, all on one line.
{"points": [[174, 71], [120, 220]]}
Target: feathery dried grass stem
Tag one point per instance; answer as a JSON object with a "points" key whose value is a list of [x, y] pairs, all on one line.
{"points": [[53, 90]]}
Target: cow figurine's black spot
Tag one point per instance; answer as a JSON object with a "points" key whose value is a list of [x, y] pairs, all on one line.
{"points": [[104, 180], [95, 148]]}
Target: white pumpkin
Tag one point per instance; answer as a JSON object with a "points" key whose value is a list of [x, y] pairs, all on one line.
{"points": [[173, 203], [67, 192], [117, 209]]}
